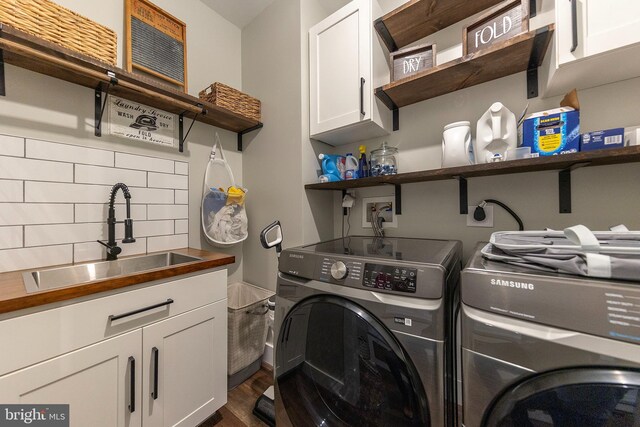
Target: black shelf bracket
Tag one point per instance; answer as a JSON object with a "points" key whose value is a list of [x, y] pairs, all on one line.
{"points": [[3, 91], [540, 42], [396, 119], [398, 192], [383, 31], [564, 187], [533, 9], [242, 132], [386, 100], [181, 134], [344, 210], [100, 104], [464, 199], [532, 82]]}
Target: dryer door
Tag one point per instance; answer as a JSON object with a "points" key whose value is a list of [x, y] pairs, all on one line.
{"points": [[341, 366], [585, 397]]}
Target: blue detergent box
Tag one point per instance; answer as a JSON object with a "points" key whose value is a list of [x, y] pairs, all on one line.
{"points": [[609, 138], [552, 132]]}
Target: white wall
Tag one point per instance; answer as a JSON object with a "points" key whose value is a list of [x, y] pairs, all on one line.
{"points": [[40, 107], [602, 196]]}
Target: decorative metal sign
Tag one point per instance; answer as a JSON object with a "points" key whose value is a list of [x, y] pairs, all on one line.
{"points": [[129, 119]]}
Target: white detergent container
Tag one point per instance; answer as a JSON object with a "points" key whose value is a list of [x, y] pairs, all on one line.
{"points": [[456, 145], [496, 133]]}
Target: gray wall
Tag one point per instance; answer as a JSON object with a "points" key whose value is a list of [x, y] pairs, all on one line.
{"points": [[41, 107]]}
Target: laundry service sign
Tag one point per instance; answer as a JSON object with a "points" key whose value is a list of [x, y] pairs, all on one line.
{"points": [[129, 119]]}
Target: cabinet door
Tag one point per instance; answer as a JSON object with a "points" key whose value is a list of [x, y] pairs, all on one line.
{"points": [[340, 68], [601, 26], [95, 381], [185, 367]]}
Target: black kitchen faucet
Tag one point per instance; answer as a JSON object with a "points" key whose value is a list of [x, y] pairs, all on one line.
{"points": [[112, 246]]}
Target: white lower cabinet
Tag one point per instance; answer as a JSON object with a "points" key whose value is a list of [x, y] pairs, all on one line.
{"points": [[96, 382], [161, 361], [184, 375]]}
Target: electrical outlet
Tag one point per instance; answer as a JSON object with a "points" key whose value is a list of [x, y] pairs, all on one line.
{"points": [[488, 221], [389, 217]]}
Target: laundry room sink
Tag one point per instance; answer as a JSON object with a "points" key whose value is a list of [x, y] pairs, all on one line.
{"points": [[51, 278]]}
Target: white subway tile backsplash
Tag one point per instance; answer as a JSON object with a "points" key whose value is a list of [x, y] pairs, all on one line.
{"points": [[149, 228], [65, 193], [22, 259], [35, 213], [11, 146], [162, 180], [131, 161], [182, 168], [100, 175], [10, 237], [168, 211], [151, 195], [37, 170], [54, 202], [182, 197], [99, 212], [167, 243], [11, 191], [68, 153], [91, 251], [182, 226], [42, 235]]}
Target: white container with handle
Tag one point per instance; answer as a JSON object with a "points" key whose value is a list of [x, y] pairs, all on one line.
{"points": [[496, 133], [456, 145]]}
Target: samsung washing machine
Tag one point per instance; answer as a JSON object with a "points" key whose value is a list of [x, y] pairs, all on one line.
{"points": [[546, 349], [364, 331]]}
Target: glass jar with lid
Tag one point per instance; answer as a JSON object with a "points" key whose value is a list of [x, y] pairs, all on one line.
{"points": [[384, 160]]}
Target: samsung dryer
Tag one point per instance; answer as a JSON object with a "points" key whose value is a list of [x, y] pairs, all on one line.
{"points": [[364, 333], [547, 349]]}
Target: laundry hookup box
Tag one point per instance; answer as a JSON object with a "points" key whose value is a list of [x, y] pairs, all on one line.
{"points": [[552, 132]]}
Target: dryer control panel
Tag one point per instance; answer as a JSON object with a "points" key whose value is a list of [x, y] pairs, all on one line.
{"points": [[401, 279]]}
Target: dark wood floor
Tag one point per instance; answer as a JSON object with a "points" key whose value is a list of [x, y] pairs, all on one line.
{"points": [[238, 412]]}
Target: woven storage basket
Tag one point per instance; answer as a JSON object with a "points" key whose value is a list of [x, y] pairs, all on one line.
{"points": [[56, 24], [232, 99]]}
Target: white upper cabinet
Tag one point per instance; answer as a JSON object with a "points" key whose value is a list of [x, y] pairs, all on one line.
{"points": [[347, 63], [596, 42]]}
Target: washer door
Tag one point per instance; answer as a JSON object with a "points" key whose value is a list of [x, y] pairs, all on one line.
{"points": [[594, 397], [338, 365]]}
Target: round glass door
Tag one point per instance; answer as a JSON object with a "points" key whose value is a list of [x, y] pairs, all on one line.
{"points": [[340, 366], [602, 397]]}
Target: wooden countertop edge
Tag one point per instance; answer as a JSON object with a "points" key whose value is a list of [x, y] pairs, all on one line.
{"points": [[13, 295]]}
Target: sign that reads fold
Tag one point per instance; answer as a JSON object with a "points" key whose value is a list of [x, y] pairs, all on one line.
{"points": [[498, 24]]}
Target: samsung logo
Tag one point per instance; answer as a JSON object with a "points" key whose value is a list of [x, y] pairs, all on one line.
{"points": [[512, 284], [298, 256]]}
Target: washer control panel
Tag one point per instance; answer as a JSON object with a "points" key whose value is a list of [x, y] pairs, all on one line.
{"points": [[401, 279]]}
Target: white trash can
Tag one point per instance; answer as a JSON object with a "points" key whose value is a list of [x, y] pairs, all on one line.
{"points": [[248, 310]]}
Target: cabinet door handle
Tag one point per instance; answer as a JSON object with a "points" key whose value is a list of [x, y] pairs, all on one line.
{"points": [[154, 389], [362, 96], [139, 310], [574, 25], [132, 383]]}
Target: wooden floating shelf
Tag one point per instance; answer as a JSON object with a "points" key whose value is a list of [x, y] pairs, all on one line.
{"points": [[419, 18], [560, 162], [29, 52], [523, 52]]}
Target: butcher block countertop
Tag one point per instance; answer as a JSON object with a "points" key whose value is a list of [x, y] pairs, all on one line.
{"points": [[14, 296]]}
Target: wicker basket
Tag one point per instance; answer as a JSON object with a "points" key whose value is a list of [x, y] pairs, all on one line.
{"points": [[56, 24], [232, 99]]}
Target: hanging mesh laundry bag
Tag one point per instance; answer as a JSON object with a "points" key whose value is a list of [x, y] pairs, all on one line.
{"points": [[224, 218]]}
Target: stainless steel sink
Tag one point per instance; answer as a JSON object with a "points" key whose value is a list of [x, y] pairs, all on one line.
{"points": [[39, 280]]}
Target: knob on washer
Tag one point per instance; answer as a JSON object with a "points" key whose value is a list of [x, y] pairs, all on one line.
{"points": [[339, 270]]}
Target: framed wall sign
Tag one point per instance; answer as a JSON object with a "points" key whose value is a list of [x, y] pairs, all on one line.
{"points": [[128, 119], [156, 43], [498, 24], [412, 60]]}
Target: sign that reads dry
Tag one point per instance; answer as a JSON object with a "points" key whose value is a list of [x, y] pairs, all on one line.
{"points": [[497, 25], [412, 60]]}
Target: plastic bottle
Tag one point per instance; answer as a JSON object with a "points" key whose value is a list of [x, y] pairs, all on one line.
{"points": [[333, 164], [363, 165], [351, 167], [328, 178], [496, 133]]}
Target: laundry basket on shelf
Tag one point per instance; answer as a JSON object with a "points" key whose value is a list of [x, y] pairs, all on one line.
{"points": [[246, 331]]}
